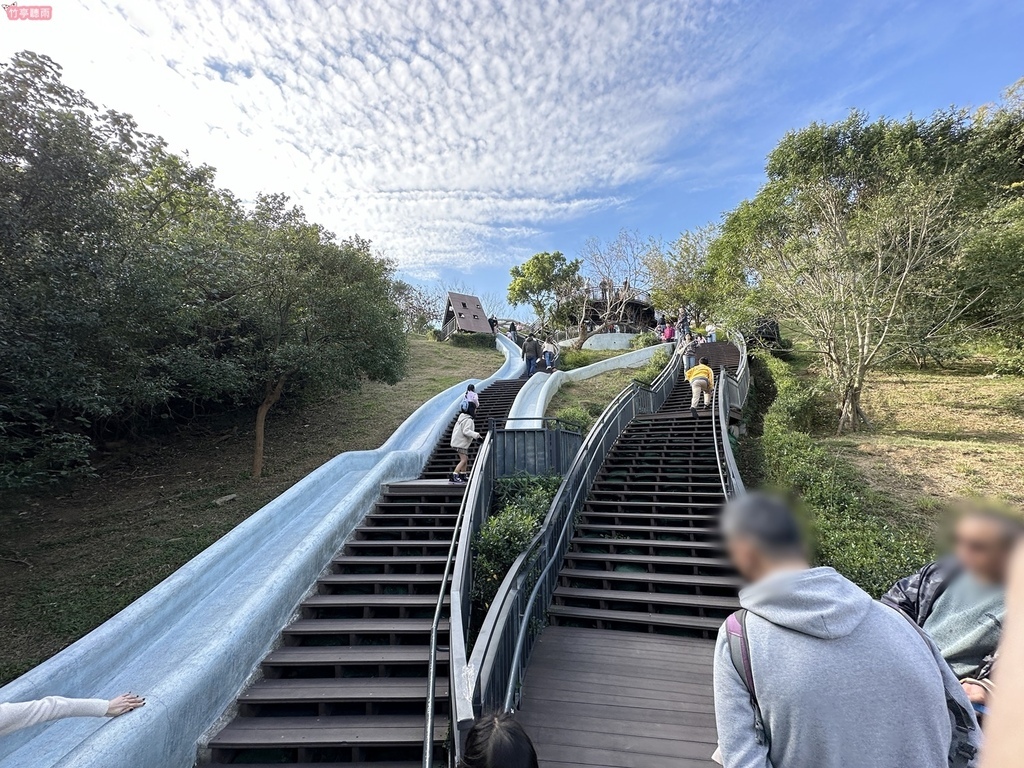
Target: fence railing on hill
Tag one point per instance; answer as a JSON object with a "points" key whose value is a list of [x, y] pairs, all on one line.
{"points": [[448, 329], [517, 614], [505, 451], [490, 678]]}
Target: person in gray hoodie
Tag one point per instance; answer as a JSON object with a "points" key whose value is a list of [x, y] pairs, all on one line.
{"points": [[839, 680]]}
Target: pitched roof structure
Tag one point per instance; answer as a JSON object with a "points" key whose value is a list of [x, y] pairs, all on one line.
{"points": [[468, 313]]}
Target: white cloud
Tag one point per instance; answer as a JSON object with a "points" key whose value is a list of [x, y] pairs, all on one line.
{"points": [[447, 131]]}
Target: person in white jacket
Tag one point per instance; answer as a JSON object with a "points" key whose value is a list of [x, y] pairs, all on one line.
{"points": [[21, 714], [462, 437]]}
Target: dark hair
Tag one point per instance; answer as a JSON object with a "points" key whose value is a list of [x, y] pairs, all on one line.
{"points": [[471, 388], [471, 409], [768, 521], [705, 361], [498, 741]]}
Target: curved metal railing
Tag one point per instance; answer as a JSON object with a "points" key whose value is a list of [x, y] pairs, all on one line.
{"points": [[502, 453], [516, 617], [460, 544], [716, 426], [491, 677], [727, 390]]}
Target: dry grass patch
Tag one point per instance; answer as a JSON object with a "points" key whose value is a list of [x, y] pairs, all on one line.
{"points": [[940, 435], [71, 557]]}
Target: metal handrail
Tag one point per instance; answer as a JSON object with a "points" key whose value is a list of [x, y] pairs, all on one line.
{"points": [[742, 376], [506, 593], [491, 647], [448, 329], [717, 400], [482, 460], [728, 382], [544, 419]]}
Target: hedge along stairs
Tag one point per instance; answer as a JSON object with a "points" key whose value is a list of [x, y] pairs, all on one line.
{"points": [[348, 684], [646, 554]]}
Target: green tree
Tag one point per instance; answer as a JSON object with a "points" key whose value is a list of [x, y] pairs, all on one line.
{"points": [[681, 275], [134, 292], [544, 282], [612, 277], [319, 313], [853, 241], [59, 159]]}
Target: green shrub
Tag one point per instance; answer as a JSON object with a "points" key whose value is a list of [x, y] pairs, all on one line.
{"points": [[571, 359], [473, 340], [436, 335], [804, 403], [540, 489], [849, 521], [654, 366], [1009, 359], [520, 504], [645, 339], [500, 541], [578, 415]]}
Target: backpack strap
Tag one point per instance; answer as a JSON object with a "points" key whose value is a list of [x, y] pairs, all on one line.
{"points": [[739, 651], [961, 752]]}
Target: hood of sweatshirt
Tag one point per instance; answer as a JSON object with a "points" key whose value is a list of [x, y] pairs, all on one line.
{"points": [[817, 602]]}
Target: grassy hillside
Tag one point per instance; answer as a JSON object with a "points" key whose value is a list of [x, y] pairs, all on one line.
{"points": [[876, 496], [74, 556], [583, 401], [942, 434]]}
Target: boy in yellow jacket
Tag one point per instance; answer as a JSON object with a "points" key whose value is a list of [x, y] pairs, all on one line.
{"points": [[702, 380]]}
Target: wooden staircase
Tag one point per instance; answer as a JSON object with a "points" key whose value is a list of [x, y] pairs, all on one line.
{"points": [[646, 555], [347, 686]]}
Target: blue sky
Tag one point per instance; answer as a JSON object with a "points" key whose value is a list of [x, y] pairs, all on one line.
{"points": [[463, 135]]}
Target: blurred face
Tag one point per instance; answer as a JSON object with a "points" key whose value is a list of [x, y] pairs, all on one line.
{"points": [[746, 557], [981, 547]]}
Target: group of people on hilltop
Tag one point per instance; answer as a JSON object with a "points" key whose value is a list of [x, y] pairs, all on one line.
{"points": [[670, 330]]}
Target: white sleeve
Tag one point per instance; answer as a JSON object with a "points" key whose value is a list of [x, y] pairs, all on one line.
{"points": [[22, 714]]}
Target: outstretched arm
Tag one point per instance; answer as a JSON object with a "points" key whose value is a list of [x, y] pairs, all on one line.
{"points": [[23, 714]]}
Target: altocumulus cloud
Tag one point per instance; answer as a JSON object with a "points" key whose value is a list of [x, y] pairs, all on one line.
{"points": [[447, 131]]}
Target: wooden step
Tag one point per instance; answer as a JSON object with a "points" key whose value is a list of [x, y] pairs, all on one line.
{"points": [[589, 514], [654, 529], [341, 689], [595, 541], [671, 505], [671, 579], [383, 730], [373, 600], [601, 557], [651, 598], [382, 579], [321, 655], [635, 617], [357, 560], [303, 627], [438, 532]]}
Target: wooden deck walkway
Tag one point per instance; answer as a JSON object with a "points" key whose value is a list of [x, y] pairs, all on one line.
{"points": [[614, 699]]}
